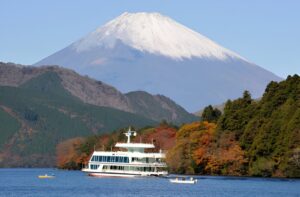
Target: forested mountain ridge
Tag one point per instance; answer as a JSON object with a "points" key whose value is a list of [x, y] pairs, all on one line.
{"points": [[251, 137], [88, 90], [40, 113]]}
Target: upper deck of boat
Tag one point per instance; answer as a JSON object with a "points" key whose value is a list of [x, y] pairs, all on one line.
{"points": [[129, 154], [134, 145]]}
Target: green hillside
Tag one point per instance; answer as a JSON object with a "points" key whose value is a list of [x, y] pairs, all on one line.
{"points": [[49, 114], [148, 105], [8, 126], [94, 92], [251, 137], [268, 130]]}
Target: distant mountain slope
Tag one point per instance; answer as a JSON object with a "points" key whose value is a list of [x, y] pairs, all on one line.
{"points": [[152, 52], [85, 88], [40, 113], [8, 126], [96, 92], [148, 105]]}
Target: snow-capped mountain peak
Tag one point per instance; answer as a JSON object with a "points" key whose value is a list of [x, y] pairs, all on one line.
{"points": [[155, 34], [152, 52]]}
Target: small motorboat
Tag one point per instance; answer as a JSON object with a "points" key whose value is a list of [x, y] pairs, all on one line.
{"points": [[184, 180], [46, 176]]}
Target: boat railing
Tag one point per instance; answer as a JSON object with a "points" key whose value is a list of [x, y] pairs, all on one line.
{"points": [[136, 171], [144, 153], [157, 164]]}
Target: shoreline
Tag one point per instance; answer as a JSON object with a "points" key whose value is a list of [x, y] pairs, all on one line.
{"points": [[168, 176]]}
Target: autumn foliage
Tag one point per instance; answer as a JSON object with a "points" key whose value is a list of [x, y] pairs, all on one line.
{"points": [[163, 137], [68, 155], [197, 151]]}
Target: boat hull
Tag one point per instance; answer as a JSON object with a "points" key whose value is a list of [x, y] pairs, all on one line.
{"points": [[110, 173], [46, 177], [99, 174], [183, 181]]}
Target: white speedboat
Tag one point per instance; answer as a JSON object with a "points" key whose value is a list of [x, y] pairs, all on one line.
{"points": [[130, 162], [184, 180]]}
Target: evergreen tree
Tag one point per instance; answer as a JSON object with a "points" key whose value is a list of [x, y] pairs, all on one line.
{"points": [[210, 114]]}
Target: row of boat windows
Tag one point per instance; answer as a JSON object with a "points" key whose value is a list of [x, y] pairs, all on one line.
{"points": [[110, 159], [129, 168]]}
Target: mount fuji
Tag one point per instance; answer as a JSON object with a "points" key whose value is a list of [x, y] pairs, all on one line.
{"points": [[152, 52]]}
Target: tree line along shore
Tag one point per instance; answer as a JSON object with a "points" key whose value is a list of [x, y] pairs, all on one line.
{"points": [[249, 138]]}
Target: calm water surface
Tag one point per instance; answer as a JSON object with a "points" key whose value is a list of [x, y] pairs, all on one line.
{"points": [[24, 182]]}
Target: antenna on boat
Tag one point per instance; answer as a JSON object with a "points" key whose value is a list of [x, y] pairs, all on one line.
{"points": [[129, 133]]}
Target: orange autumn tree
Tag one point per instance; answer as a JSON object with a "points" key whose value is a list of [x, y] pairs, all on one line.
{"points": [[199, 150], [226, 156], [192, 143], [163, 137], [67, 154], [74, 153]]}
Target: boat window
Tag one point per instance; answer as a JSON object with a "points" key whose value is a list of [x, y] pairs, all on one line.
{"points": [[126, 160], [94, 167]]}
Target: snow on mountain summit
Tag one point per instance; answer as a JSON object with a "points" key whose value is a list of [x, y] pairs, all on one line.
{"points": [[152, 52], [155, 34]]}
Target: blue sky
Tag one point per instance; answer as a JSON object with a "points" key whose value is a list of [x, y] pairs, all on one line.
{"points": [[266, 32]]}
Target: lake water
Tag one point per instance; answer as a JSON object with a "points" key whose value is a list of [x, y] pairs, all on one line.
{"points": [[24, 182]]}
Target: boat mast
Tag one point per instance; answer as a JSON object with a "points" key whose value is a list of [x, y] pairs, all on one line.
{"points": [[129, 133]]}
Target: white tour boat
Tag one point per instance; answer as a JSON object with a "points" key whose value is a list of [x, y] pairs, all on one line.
{"points": [[130, 163]]}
